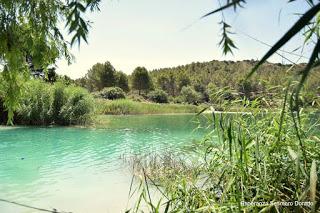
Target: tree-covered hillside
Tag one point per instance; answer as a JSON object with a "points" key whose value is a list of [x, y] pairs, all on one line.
{"points": [[215, 82], [228, 77]]}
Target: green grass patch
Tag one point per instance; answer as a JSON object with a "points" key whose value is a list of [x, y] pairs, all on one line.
{"points": [[129, 107]]}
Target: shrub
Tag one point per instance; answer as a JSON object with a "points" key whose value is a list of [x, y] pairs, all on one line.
{"points": [[78, 108], [112, 93], [189, 95], [176, 100], [136, 97], [44, 104], [59, 98], [35, 106], [158, 96]]}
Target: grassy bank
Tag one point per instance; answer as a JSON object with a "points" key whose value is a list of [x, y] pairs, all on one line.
{"points": [[130, 107]]}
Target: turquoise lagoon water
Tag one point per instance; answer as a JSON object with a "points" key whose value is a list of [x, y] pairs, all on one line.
{"points": [[80, 169]]}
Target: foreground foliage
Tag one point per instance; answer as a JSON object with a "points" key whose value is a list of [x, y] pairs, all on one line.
{"points": [[254, 157]]}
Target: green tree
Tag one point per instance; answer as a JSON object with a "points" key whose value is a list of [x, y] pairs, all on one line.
{"points": [[171, 84], [122, 81], [101, 76], [183, 80], [162, 81], [141, 80], [167, 82], [31, 29]]}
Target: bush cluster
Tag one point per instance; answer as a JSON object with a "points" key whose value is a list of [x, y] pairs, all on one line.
{"points": [[45, 104], [158, 96], [112, 93], [189, 95]]}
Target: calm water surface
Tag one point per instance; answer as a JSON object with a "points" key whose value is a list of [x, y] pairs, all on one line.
{"points": [[79, 169]]}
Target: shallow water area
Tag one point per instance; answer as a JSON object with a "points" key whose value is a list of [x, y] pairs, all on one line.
{"points": [[81, 169]]}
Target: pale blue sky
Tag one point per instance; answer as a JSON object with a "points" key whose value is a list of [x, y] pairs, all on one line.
{"points": [[155, 34]]}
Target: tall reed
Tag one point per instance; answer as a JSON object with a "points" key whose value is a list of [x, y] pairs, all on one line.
{"points": [[250, 162]]}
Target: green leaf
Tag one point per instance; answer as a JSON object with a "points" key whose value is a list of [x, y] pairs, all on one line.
{"points": [[167, 207], [226, 42], [81, 7], [228, 5]]}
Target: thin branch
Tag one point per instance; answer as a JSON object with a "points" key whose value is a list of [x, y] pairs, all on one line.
{"points": [[32, 207]]}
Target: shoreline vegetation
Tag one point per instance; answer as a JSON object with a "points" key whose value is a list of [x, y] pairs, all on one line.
{"points": [[130, 107], [54, 99], [248, 155], [253, 157]]}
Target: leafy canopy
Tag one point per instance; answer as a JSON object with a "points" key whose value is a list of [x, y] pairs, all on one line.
{"points": [[122, 81], [100, 76], [30, 29], [141, 79]]}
